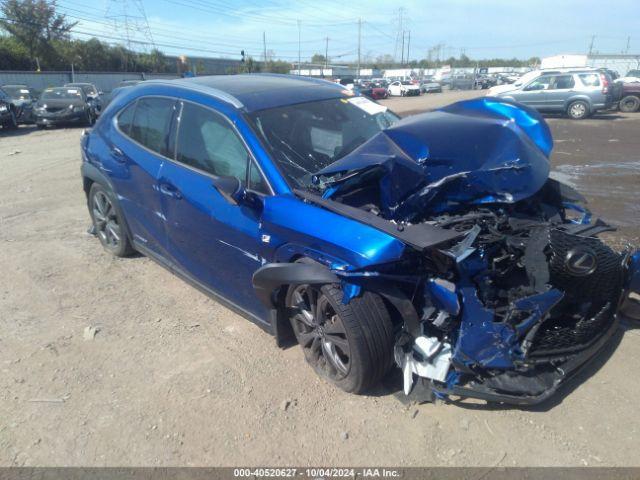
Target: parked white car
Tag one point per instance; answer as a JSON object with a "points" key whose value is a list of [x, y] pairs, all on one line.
{"points": [[403, 88]]}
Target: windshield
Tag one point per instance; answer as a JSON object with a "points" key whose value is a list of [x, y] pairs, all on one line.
{"points": [[16, 92], [89, 90], [62, 94], [307, 137]]}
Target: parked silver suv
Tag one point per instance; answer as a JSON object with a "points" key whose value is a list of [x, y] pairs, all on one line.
{"points": [[578, 92]]}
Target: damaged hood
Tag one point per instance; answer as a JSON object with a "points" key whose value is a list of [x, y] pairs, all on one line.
{"points": [[485, 150]]}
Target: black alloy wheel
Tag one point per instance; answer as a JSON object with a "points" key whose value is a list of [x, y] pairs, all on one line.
{"points": [[108, 225], [321, 333]]}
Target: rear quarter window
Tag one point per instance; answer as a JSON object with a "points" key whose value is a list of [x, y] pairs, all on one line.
{"points": [[151, 124], [590, 79], [125, 118]]}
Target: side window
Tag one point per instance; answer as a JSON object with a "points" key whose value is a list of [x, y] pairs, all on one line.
{"points": [[562, 82], [151, 124], [541, 83], [257, 183], [590, 79], [125, 118], [206, 141]]}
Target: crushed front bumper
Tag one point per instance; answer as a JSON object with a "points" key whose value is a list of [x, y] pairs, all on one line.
{"points": [[510, 387]]}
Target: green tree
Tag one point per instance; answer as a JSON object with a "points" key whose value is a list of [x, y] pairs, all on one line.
{"points": [[318, 58], [35, 24], [13, 56], [249, 66]]}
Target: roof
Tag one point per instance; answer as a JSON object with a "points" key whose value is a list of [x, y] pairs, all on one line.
{"points": [[253, 92]]}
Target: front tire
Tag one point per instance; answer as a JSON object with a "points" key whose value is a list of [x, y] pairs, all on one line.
{"points": [[89, 119], [108, 222], [629, 104], [351, 345], [578, 110], [13, 120]]}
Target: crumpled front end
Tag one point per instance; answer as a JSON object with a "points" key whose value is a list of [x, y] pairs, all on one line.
{"points": [[505, 289], [521, 305]]}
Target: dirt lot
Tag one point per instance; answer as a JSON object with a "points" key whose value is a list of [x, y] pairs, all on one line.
{"points": [[172, 378]]}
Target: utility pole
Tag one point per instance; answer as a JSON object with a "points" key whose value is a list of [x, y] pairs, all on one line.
{"points": [[399, 32], [299, 51], [402, 55], [593, 39], [359, 41], [626, 50], [408, 46], [264, 47], [326, 53]]}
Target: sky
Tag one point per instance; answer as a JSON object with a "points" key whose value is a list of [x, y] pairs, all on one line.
{"points": [[479, 29]]}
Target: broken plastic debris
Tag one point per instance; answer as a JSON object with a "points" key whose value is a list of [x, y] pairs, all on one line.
{"points": [[435, 366]]}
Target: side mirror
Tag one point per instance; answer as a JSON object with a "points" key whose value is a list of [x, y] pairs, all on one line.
{"points": [[230, 188]]}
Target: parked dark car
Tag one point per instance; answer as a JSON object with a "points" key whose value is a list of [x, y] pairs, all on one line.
{"points": [[8, 118], [482, 82], [430, 87], [630, 101], [94, 96], [22, 99], [64, 105], [462, 81], [438, 240]]}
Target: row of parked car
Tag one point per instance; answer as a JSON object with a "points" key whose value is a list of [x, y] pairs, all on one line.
{"points": [[72, 103], [378, 89]]}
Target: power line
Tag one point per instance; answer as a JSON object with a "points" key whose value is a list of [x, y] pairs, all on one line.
{"points": [[234, 46]]}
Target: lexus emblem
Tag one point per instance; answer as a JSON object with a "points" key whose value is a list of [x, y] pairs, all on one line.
{"points": [[581, 262]]}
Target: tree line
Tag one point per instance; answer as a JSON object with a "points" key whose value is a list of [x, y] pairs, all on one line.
{"points": [[34, 36]]}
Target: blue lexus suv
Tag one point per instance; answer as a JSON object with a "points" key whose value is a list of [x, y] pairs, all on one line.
{"points": [[436, 243]]}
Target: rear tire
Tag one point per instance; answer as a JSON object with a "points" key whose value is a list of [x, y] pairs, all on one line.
{"points": [[629, 104], [108, 222], [359, 334], [578, 110]]}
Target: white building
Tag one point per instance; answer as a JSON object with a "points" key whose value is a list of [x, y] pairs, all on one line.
{"points": [[620, 63]]}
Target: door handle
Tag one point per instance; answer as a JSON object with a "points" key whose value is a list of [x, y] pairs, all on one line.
{"points": [[170, 191], [118, 155]]}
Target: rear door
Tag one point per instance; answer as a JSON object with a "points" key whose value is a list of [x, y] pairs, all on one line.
{"points": [[213, 240], [135, 158]]}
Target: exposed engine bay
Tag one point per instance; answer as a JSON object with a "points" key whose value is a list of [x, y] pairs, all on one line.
{"points": [[506, 289], [512, 305]]}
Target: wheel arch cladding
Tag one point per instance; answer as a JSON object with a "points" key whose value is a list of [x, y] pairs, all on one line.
{"points": [[271, 276]]}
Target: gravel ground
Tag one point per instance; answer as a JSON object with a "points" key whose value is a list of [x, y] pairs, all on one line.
{"points": [[173, 378]]}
